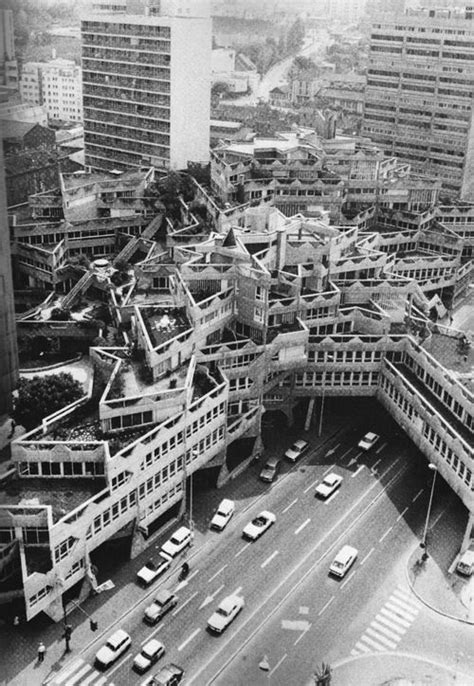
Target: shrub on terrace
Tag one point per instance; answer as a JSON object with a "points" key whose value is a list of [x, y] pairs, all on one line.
{"points": [[42, 395]]}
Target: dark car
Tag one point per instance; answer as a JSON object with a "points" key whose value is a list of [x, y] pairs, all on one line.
{"points": [[163, 603], [271, 469]]}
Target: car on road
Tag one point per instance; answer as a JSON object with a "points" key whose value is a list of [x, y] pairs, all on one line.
{"points": [[170, 675], [270, 469], [296, 450], [178, 542], [465, 564], [116, 645], [259, 525], [368, 441], [225, 613], [163, 603], [343, 561], [223, 515], [154, 568], [150, 653], [328, 485]]}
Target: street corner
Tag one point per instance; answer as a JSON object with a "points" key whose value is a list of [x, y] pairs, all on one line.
{"points": [[393, 669], [439, 587]]}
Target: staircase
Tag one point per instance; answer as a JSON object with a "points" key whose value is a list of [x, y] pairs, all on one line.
{"points": [[77, 289], [128, 249]]}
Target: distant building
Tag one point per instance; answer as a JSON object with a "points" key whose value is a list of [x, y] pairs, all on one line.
{"points": [[146, 85], [8, 344], [57, 85], [8, 62], [234, 69], [279, 96], [11, 107], [418, 99]]}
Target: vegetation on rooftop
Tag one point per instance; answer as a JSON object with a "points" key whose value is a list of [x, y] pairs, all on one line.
{"points": [[42, 395]]}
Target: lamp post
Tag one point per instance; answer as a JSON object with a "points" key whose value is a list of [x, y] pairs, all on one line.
{"points": [[434, 469], [329, 358]]}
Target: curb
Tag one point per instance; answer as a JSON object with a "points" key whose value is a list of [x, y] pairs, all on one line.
{"points": [[432, 607]]}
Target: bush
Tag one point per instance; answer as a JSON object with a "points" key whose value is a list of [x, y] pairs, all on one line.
{"points": [[42, 395], [58, 314]]}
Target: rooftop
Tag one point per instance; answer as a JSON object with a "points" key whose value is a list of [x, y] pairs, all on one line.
{"points": [[164, 324]]}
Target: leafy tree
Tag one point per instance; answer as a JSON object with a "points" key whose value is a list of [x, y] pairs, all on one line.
{"points": [[58, 314], [42, 395]]}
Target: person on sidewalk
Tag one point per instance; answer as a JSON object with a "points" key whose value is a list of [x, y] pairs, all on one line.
{"points": [[41, 652]]}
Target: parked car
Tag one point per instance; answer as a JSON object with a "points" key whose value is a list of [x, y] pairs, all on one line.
{"points": [[225, 613], [163, 603], [328, 485], [154, 568], [296, 450], [465, 563], [270, 469], [178, 541], [170, 675], [223, 515], [150, 653], [368, 441], [116, 645], [259, 525]]}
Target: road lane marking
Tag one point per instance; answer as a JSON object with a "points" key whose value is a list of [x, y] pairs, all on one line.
{"points": [[301, 635], [216, 574], [376, 463], [189, 639], [329, 469], [295, 624], [359, 469], [68, 671], [180, 607], [210, 598], [101, 682], [401, 514], [119, 664], [308, 488], [417, 495], [290, 505], [82, 672], [277, 665], [269, 559], [344, 454], [385, 534], [323, 609], [302, 526], [381, 448], [237, 591], [381, 638], [348, 579], [332, 496], [242, 550], [367, 556], [155, 631]]}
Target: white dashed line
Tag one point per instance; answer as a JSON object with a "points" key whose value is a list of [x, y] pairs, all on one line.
{"points": [[189, 639], [417, 495], [277, 665], [216, 574], [367, 556], [359, 469], [242, 550], [290, 505], [401, 514], [180, 607], [385, 534], [323, 609], [302, 526], [269, 559], [351, 575]]}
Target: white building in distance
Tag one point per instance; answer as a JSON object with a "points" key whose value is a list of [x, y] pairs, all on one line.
{"points": [[57, 85]]}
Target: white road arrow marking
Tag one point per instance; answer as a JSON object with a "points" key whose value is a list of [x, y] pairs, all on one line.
{"points": [[211, 597]]}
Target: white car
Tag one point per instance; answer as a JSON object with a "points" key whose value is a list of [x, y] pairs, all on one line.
{"points": [[223, 515], [259, 525], [178, 542], [150, 653], [328, 485], [117, 644], [368, 441], [225, 613], [296, 450], [154, 568]]}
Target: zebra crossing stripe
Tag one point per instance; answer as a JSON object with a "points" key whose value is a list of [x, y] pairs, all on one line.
{"points": [[404, 611], [68, 671], [101, 681], [90, 678], [409, 603], [383, 629], [360, 647], [76, 678], [373, 643], [396, 614], [407, 596], [392, 625], [381, 638]]}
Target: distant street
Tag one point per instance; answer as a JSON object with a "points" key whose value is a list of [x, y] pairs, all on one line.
{"points": [[276, 75]]}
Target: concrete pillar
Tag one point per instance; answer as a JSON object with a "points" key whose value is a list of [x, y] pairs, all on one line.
{"points": [[467, 538], [309, 414]]}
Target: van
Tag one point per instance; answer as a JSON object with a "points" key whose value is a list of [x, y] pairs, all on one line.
{"points": [[343, 561], [465, 564]]}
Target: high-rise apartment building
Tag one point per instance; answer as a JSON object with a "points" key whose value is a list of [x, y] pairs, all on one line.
{"points": [[418, 100], [146, 85], [57, 85], [8, 346]]}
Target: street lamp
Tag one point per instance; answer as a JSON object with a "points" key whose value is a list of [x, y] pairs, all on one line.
{"points": [[434, 469], [329, 358]]}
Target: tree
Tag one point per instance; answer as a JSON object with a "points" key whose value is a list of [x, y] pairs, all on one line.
{"points": [[42, 395], [58, 314]]}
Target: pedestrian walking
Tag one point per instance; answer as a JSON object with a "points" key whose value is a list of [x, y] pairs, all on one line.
{"points": [[16, 620], [41, 652]]}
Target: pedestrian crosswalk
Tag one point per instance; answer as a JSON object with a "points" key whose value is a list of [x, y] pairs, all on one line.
{"points": [[80, 673], [390, 624]]}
